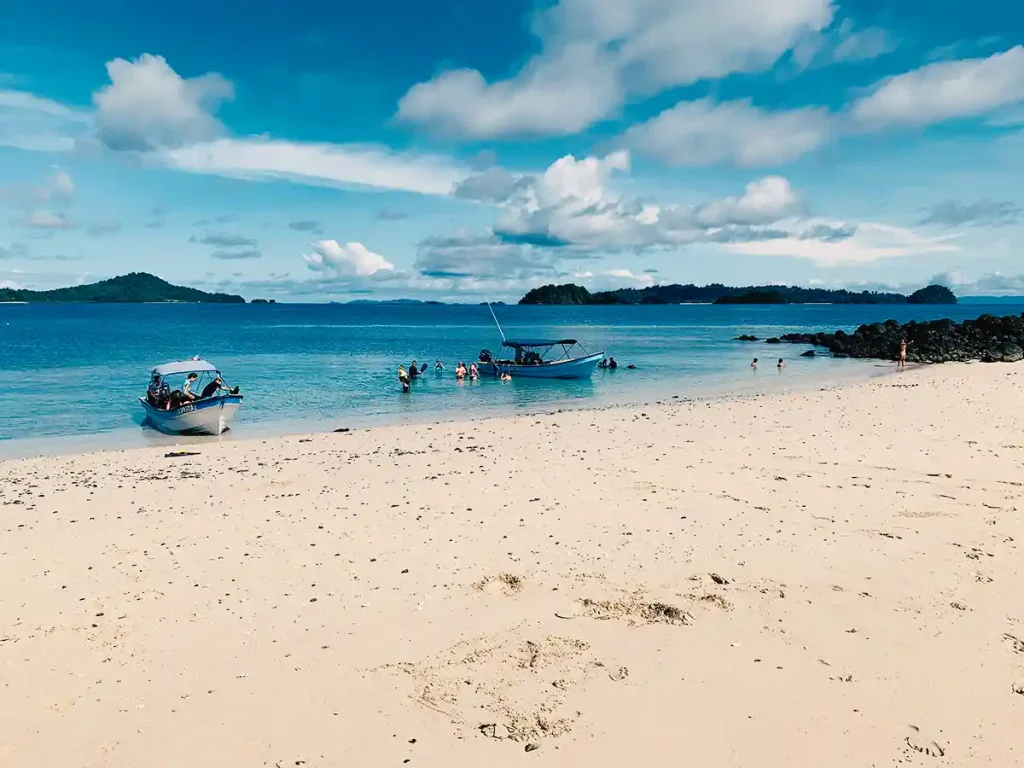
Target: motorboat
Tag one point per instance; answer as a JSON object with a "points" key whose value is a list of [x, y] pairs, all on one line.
{"points": [[202, 416], [542, 359]]}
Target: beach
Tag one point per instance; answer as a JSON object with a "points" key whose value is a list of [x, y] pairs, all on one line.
{"points": [[830, 577]]}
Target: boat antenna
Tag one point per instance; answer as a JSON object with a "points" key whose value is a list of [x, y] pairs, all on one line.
{"points": [[495, 319]]}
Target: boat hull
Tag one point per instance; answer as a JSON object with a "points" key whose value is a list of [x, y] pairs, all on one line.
{"points": [[577, 368], [205, 417]]}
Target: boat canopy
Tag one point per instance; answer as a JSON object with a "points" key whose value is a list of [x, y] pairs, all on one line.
{"points": [[184, 366], [536, 343]]}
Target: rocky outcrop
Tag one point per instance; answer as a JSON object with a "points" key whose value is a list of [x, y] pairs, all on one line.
{"points": [[989, 339], [746, 337]]}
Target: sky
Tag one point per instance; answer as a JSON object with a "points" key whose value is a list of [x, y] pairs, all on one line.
{"points": [[459, 151]]}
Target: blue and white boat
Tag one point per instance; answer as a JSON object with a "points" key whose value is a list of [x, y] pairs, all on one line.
{"points": [[542, 359], [201, 416]]}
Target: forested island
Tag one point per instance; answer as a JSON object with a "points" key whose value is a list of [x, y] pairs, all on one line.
{"points": [[135, 287], [716, 293]]}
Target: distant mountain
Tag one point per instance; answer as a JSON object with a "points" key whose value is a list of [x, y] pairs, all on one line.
{"points": [[135, 287], [753, 297], [714, 293], [932, 294]]}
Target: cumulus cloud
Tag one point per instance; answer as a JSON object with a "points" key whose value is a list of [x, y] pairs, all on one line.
{"points": [[223, 241], [348, 260], [494, 185], [990, 284], [56, 189], [869, 242], [701, 133], [148, 105], [993, 213], [596, 54], [944, 90]]}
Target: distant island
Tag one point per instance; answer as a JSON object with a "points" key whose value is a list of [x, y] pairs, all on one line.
{"points": [[716, 293], [135, 287]]}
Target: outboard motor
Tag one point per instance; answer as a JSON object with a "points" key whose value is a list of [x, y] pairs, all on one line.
{"points": [[485, 356]]}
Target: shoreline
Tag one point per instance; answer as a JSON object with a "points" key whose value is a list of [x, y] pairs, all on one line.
{"points": [[577, 588], [139, 437]]}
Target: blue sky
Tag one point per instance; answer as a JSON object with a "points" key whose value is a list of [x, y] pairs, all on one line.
{"points": [[457, 150]]}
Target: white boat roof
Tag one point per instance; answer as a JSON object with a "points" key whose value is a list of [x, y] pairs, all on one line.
{"points": [[184, 366]]}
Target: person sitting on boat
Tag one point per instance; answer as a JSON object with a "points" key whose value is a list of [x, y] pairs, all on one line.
{"points": [[215, 386], [158, 393], [414, 370], [187, 395], [403, 378]]}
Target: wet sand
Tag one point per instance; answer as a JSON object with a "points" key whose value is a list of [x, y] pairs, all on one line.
{"points": [[826, 578]]}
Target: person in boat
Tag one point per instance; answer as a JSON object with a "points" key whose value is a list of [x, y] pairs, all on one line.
{"points": [[158, 394], [403, 378], [438, 366], [414, 370], [612, 365], [187, 395], [216, 386]]}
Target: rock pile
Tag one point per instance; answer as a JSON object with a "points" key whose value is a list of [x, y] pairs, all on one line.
{"points": [[990, 339]]}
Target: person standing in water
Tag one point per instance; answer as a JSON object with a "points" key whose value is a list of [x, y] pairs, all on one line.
{"points": [[403, 378], [781, 364], [753, 365]]}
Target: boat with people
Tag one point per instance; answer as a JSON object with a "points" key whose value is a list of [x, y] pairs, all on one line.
{"points": [[539, 358], [202, 406], [534, 359]]}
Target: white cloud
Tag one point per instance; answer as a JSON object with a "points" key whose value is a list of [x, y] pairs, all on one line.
{"points": [[348, 260], [463, 256], [57, 188], [148, 105], [867, 243], [44, 220], [597, 53], [991, 284], [570, 205], [701, 133], [36, 124], [612, 279], [330, 165], [944, 90], [842, 42]]}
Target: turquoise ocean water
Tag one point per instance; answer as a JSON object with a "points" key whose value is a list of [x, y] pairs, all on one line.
{"points": [[70, 374]]}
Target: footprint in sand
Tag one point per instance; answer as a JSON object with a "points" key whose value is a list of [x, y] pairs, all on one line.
{"points": [[920, 742], [507, 583]]}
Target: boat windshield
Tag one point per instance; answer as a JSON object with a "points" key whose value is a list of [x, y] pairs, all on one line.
{"points": [[548, 351]]}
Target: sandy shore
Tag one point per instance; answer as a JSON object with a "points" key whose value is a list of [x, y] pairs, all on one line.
{"points": [[822, 579]]}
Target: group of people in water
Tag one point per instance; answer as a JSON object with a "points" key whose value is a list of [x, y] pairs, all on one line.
{"points": [[780, 365], [462, 372], [160, 395]]}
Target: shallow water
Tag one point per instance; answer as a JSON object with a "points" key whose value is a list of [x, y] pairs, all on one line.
{"points": [[70, 374]]}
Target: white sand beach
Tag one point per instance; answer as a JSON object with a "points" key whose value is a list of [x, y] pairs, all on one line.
{"points": [[831, 578]]}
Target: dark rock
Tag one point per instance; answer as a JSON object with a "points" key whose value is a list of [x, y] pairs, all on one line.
{"points": [[746, 337], [987, 338], [773, 340], [808, 353]]}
